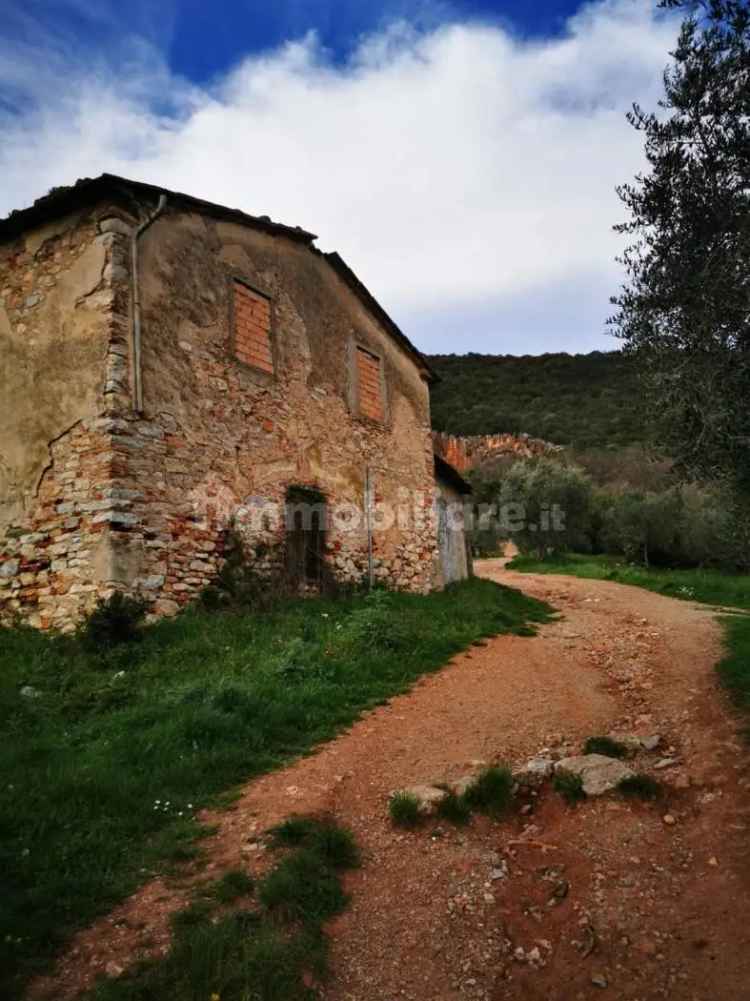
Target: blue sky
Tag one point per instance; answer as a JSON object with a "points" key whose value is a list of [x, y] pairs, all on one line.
{"points": [[462, 156], [205, 39], [202, 40]]}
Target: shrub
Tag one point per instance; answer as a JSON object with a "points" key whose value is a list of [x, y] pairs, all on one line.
{"points": [[113, 622], [404, 809], [455, 809], [569, 785], [605, 745], [492, 791], [295, 660], [640, 785], [212, 598], [336, 845], [376, 626], [294, 830]]}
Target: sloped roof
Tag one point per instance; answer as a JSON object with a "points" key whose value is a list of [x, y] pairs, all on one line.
{"points": [[64, 200]]}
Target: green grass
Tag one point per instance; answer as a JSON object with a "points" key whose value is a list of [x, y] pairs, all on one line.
{"points": [[105, 764], [641, 786], [454, 809], [605, 745], [304, 888], [404, 809], [333, 843], [570, 787], [734, 669], [268, 951], [232, 885], [492, 791], [709, 586]]}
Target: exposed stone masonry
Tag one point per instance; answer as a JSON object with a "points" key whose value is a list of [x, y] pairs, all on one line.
{"points": [[142, 502], [53, 547], [465, 453]]}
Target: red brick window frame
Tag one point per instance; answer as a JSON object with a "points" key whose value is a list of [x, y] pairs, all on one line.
{"points": [[369, 385], [251, 327]]}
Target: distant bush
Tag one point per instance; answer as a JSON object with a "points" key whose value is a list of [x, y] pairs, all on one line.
{"points": [[552, 502], [676, 525], [645, 527], [685, 526]]}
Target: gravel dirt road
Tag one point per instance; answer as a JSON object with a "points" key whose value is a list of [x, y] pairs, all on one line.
{"points": [[605, 899]]}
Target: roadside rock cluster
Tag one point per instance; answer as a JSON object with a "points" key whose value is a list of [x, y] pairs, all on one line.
{"points": [[600, 774]]}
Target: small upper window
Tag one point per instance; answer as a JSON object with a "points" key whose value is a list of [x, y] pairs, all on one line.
{"points": [[252, 328], [369, 385]]}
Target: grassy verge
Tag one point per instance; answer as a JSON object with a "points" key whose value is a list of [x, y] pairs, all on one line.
{"points": [[710, 586], [734, 669], [106, 758], [273, 948]]}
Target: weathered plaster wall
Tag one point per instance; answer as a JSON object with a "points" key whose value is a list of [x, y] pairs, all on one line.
{"points": [[63, 368], [455, 558], [216, 434], [96, 497]]}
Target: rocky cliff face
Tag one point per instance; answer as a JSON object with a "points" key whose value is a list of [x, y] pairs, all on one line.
{"points": [[467, 453]]}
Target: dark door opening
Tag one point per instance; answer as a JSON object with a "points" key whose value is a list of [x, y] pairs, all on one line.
{"points": [[305, 539]]}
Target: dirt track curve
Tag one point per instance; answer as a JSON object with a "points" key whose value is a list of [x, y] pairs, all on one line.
{"points": [[603, 900]]}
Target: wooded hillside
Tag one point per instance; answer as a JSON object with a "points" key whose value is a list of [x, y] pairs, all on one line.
{"points": [[588, 401]]}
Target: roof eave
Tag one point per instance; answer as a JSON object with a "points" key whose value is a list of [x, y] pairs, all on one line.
{"points": [[65, 200]]}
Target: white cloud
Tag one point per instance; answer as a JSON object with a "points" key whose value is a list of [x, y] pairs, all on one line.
{"points": [[467, 175]]}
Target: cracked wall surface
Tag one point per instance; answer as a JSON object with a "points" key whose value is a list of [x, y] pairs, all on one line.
{"points": [[96, 497], [218, 438], [63, 329]]}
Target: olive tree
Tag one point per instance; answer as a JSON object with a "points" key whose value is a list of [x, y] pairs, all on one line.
{"points": [[545, 505], [685, 308]]}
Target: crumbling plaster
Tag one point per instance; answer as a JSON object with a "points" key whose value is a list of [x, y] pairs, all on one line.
{"points": [[221, 433], [63, 370], [98, 496], [52, 369]]}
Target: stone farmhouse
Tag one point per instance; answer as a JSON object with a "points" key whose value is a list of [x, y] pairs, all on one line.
{"points": [[173, 369]]}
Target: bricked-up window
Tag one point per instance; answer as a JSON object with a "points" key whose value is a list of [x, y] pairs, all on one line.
{"points": [[252, 328], [369, 385]]}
